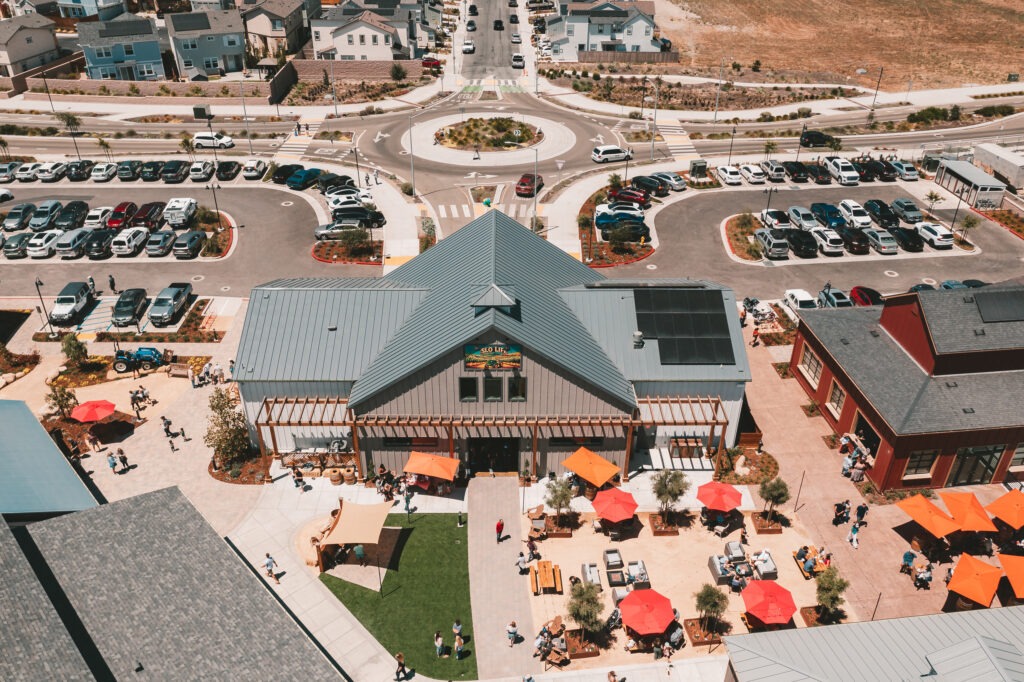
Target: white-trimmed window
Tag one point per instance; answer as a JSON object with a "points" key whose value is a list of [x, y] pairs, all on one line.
{"points": [[108, 73], [278, 25], [629, 30], [316, 35], [211, 63], [647, 30], [145, 70], [1017, 461], [570, 30], [836, 398], [387, 38], [373, 39], [104, 53], [920, 463], [129, 50], [186, 63], [810, 365], [190, 44], [351, 39], [231, 41], [362, 39]]}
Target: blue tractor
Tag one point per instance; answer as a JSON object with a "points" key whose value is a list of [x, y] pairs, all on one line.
{"points": [[141, 358]]}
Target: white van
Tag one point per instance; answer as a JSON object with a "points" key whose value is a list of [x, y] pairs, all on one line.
{"points": [[609, 152], [72, 244], [200, 140]]}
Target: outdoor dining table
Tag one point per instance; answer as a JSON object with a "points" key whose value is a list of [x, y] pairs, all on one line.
{"points": [[545, 575]]}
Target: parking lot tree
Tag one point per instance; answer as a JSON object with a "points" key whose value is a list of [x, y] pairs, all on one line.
{"points": [[584, 221], [585, 606], [620, 239], [774, 492], [187, 147], [226, 433], [559, 496], [72, 123], [933, 198], [3, 149], [615, 181], [711, 603], [770, 147], [398, 72], [829, 590], [74, 350], [61, 400], [968, 223], [356, 242], [104, 147], [668, 486]]}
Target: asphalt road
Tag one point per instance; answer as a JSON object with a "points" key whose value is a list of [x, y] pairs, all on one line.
{"points": [[88, 147], [493, 57]]}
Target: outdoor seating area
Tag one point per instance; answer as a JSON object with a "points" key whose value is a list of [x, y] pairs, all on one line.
{"points": [[545, 577], [812, 560]]}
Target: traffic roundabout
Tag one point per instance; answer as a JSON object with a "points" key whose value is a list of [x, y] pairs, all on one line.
{"points": [[550, 139]]}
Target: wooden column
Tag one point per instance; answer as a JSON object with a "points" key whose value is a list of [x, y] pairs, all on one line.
{"points": [[629, 449], [273, 441], [711, 438], [451, 440], [533, 470], [259, 441], [355, 449]]}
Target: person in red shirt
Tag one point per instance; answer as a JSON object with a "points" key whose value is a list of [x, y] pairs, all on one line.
{"points": [[500, 528]]}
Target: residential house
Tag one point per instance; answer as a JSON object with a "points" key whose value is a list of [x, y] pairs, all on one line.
{"points": [[274, 26], [366, 36], [211, 5], [207, 43], [26, 42], [603, 27], [126, 48], [103, 10], [18, 8]]}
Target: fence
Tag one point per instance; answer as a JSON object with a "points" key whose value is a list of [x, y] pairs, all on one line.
{"points": [[281, 83], [594, 57], [199, 89], [312, 70]]}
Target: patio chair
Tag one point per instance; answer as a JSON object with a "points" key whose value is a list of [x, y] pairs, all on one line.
{"points": [[734, 551], [619, 593], [612, 559]]}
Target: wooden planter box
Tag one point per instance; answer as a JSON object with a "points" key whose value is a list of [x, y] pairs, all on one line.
{"points": [[660, 528], [762, 527], [698, 636], [555, 531], [577, 647]]}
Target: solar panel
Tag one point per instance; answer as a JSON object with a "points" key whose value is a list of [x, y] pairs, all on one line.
{"points": [[118, 29], [1001, 306], [190, 21], [690, 325]]}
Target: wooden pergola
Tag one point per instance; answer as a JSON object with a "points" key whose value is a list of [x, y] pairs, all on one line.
{"points": [[333, 412]]}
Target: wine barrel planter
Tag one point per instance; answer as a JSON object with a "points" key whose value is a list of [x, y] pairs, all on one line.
{"points": [[335, 476]]}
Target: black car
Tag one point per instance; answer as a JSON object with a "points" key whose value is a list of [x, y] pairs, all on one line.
{"points": [[907, 238], [815, 138], [325, 181], [881, 213], [514, 19], [129, 170], [863, 172], [189, 244], [149, 215], [651, 185], [98, 244], [801, 243], [16, 244], [637, 231], [375, 218], [71, 216], [151, 171], [473, 11], [80, 170], [129, 307], [853, 239], [174, 171], [818, 175], [499, 25], [284, 172], [228, 170], [796, 171], [882, 170], [920, 287]]}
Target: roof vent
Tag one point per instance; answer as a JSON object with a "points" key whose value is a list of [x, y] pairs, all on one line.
{"points": [[951, 384], [968, 410], [979, 332], [845, 342], [638, 339], [875, 333], [968, 299], [332, 326]]}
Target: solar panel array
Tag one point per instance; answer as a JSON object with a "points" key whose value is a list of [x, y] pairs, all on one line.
{"points": [[117, 29], [1001, 306], [690, 325], [191, 21]]}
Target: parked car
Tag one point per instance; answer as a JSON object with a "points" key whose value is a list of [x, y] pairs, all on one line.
{"points": [[951, 284], [675, 182], [774, 218], [818, 175], [975, 283], [160, 243], [907, 210], [795, 170], [6, 195], [619, 207], [71, 216], [16, 244], [28, 172], [346, 200], [169, 303], [180, 211], [72, 243], [129, 306], [200, 171], [149, 215], [97, 217], [52, 172], [802, 217], [80, 170], [853, 239], [631, 195], [499, 25], [865, 296], [128, 171], [881, 170], [881, 213], [151, 170], [103, 172], [854, 213], [603, 220], [752, 174], [99, 243], [122, 215], [44, 215], [228, 170], [881, 241], [815, 138], [471, 25], [841, 170], [833, 298], [468, 46], [9, 170], [773, 243], [43, 244], [529, 185], [130, 241], [284, 172], [802, 243], [71, 303], [936, 235], [254, 169], [374, 218], [828, 215], [336, 229], [18, 217], [174, 171], [920, 287], [218, 140], [650, 184], [431, 63], [864, 173], [729, 175], [799, 299], [363, 195], [608, 152], [907, 238], [301, 179], [905, 170], [773, 170], [635, 230], [829, 242]]}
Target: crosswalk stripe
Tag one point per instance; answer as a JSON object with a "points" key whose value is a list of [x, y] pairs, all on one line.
{"points": [[441, 211], [465, 211]]}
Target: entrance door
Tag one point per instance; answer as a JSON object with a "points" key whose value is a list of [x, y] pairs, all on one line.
{"points": [[975, 465], [493, 454], [866, 434]]}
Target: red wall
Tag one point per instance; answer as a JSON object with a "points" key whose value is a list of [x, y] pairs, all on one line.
{"points": [[902, 318]]}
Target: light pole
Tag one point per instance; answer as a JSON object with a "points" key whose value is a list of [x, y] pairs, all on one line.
{"points": [[334, 94], [39, 293], [770, 191], [47, 86], [731, 139], [803, 129], [877, 85], [412, 154], [355, 151], [245, 116], [959, 200], [213, 182], [721, 76], [654, 121]]}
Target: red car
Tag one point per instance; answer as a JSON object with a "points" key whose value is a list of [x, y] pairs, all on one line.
{"points": [[431, 63], [637, 196], [529, 185], [122, 215], [865, 296]]}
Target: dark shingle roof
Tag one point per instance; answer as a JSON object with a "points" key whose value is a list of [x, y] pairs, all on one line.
{"points": [[907, 398], [8, 27], [154, 585], [125, 28], [953, 316], [216, 22], [34, 645]]}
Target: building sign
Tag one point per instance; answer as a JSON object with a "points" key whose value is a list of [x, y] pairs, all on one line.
{"points": [[494, 356]]}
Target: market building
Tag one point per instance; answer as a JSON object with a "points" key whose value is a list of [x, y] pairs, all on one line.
{"points": [[930, 383], [497, 348]]}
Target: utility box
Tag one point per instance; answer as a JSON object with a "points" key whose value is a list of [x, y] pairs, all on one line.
{"points": [[930, 163], [201, 112], [698, 168]]}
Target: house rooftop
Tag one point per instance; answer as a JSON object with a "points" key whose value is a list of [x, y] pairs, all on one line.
{"points": [[973, 320], [8, 27], [189, 24], [117, 31]]}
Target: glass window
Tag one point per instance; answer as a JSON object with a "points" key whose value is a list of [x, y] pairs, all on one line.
{"points": [[570, 30], [28, 40], [647, 31], [387, 39], [187, 63], [836, 398], [129, 50], [211, 63], [351, 39], [103, 52], [146, 70], [278, 24], [108, 73], [629, 30], [920, 463], [362, 39], [190, 44], [316, 35], [1018, 456], [469, 391], [811, 366], [492, 389], [231, 41], [517, 389]]}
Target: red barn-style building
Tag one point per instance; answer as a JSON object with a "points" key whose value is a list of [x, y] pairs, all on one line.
{"points": [[932, 382]]}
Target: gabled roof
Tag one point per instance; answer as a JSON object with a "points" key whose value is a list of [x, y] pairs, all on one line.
{"points": [[978, 658], [189, 24], [8, 27], [954, 317], [124, 28], [281, 9]]}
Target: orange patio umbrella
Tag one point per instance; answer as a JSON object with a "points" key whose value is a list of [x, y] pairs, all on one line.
{"points": [[928, 516], [591, 467], [1009, 508], [768, 601], [967, 511], [93, 411], [434, 466], [975, 580], [719, 496], [1014, 567], [615, 505], [646, 612]]}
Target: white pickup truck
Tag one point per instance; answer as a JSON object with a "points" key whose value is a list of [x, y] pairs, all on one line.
{"points": [[179, 211], [842, 171]]}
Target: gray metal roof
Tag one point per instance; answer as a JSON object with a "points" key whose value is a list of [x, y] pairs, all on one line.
{"points": [[953, 317], [978, 658], [609, 313], [35, 477], [894, 649], [33, 641], [971, 173], [8, 27], [907, 398], [90, 34], [217, 22], [155, 586]]}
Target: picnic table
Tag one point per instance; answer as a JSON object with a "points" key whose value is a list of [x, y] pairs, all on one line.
{"points": [[549, 577]]}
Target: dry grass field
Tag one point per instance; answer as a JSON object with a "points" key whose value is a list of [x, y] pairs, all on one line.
{"points": [[937, 43]]}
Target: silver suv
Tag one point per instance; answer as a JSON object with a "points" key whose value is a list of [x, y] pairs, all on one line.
{"points": [[773, 243]]}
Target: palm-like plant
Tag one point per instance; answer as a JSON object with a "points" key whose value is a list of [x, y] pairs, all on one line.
{"points": [[104, 147], [73, 124], [770, 147]]}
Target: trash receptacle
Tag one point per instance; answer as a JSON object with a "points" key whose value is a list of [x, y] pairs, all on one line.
{"points": [[698, 168]]}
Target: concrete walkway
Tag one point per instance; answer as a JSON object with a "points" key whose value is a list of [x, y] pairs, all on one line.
{"points": [[491, 570]]}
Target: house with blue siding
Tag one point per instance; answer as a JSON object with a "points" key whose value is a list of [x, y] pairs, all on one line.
{"points": [[207, 43], [105, 10], [126, 49]]}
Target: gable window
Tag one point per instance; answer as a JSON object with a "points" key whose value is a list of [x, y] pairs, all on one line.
{"points": [[231, 41], [836, 398], [810, 365], [570, 30], [373, 39], [129, 50], [103, 53], [187, 63], [517, 389], [629, 30], [469, 390], [28, 39], [387, 39], [316, 35], [647, 30], [351, 39], [278, 25], [492, 389], [920, 463]]}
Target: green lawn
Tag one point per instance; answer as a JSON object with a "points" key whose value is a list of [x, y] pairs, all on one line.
{"points": [[428, 591]]}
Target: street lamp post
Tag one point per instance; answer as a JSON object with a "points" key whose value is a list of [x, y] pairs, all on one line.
{"points": [[654, 121], [770, 191], [536, 189], [731, 139], [721, 76], [803, 129], [412, 154], [355, 152], [47, 87], [334, 94], [245, 116], [213, 182], [877, 86], [959, 200], [39, 293]]}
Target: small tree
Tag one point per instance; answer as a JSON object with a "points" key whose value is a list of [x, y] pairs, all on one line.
{"points": [[933, 198], [829, 590], [585, 606], [770, 147], [3, 148], [615, 181], [756, 66], [711, 604], [620, 238], [835, 144], [226, 433], [74, 350], [326, 80], [668, 486], [104, 147], [72, 123], [356, 242], [559, 496], [61, 400], [774, 492], [966, 225], [397, 72], [955, 112], [187, 147]]}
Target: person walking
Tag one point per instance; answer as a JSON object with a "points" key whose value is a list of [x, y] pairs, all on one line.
{"points": [[743, 317], [110, 283], [92, 284], [400, 672], [499, 529], [297, 479], [839, 514], [531, 547], [376, 175], [408, 500], [756, 338], [123, 458], [367, 178], [270, 565], [862, 511], [231, 370], [191, 376], [439, 644], [167, 426], [112, 463], [851, 537], [512, 632], [458, 647], [521, 563], [170, 441]]}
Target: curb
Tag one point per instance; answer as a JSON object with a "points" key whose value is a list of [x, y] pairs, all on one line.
{"points": [[601, 266]]}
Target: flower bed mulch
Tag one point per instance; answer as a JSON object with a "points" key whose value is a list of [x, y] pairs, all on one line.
{"points": [[763, 467], [13, 363], [490, 134], [337, 252], [698, 635], [786, 330], [737, 230], [783, 370], [1008, 219], [250, 472], [113, 429]]}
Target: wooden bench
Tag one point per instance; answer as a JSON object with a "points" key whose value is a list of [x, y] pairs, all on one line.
{"points": [[177, 369], [558, 580], [685, 447], [534, 586], [555, 659]]}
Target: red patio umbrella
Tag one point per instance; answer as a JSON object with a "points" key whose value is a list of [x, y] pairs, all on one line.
{"points": [[719, 496], [93, 411], [646, 612], [768, 601], [615, 505]]}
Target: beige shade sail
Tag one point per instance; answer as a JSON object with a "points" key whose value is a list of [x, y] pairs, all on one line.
{"points": [[358, 524]]}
